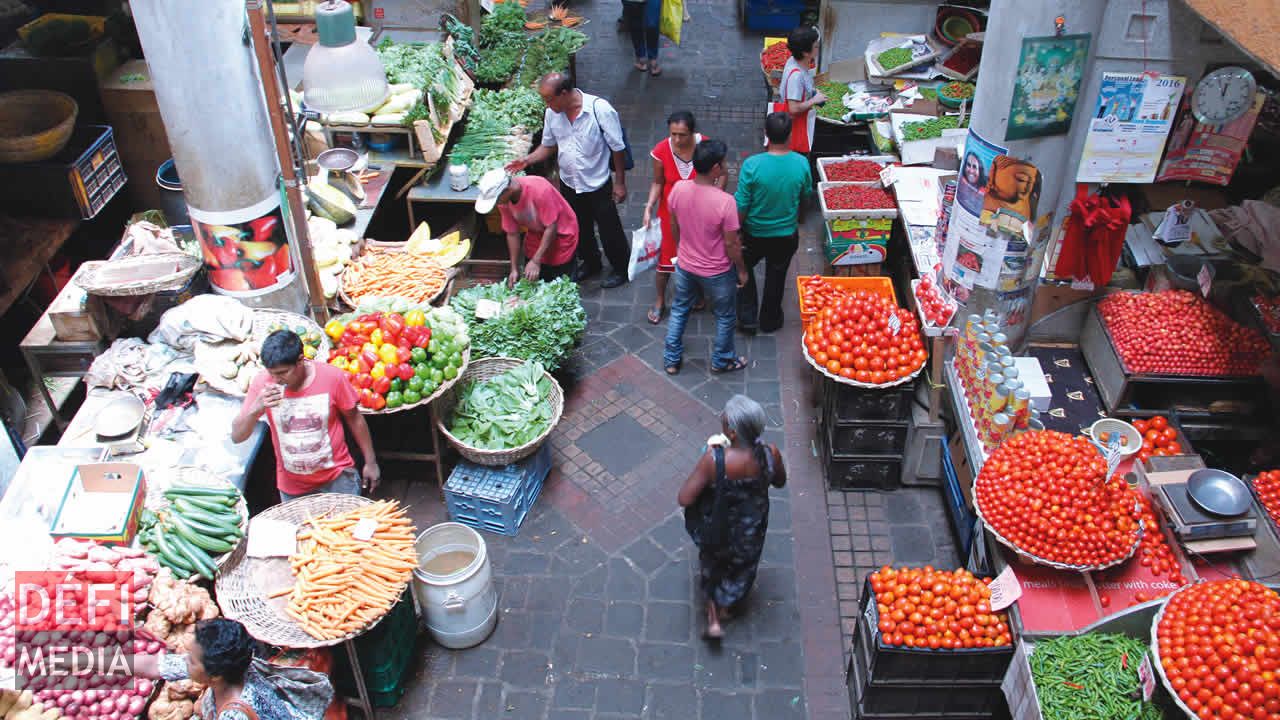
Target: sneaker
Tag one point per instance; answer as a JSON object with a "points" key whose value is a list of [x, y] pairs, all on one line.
{"points": [[613, 280]]}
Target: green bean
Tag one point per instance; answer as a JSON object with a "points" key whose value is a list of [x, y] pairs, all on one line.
{"points": [[894, 57], [1091, 677]]}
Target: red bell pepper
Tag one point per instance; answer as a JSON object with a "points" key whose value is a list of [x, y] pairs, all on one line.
{"points": [[403, 355], [370, 357], [364, 380], [392, 325], [405, 371], [379, 402], [382, 385]]}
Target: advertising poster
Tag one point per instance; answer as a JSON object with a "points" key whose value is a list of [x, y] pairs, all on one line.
{"points": [[1207, 153], [246, 251], [1047, 86], [1129, 126], [972, 254]]}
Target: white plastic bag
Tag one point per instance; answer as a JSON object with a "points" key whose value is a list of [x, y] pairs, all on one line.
{"points": [[645, 244]]}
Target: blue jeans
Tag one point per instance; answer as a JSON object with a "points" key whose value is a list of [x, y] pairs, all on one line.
{"points": [[721, 292], [642, 20], [348, 483]]}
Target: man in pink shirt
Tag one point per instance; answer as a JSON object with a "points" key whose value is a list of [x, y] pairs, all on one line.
{"points": [[704, 223], [532, 206], [306, 404]]}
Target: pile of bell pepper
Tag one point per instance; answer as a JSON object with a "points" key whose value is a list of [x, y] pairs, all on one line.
{"points": [[388, 358]]}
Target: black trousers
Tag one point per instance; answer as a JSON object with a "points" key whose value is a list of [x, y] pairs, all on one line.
{"points": [[644, 40], [776, 253], [551, 272], [596, 209]]}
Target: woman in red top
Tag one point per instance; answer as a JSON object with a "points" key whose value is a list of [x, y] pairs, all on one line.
{"points": [[672, 162]]}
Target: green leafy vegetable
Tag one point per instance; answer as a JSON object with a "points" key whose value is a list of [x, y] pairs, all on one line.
{"points": [[505, 411], [549, 51], [425, 66], [499, 128], [543, 327], [464, 39]]}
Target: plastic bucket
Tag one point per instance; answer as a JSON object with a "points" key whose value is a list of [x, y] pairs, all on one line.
{"points": [[453, 585], [175, 202]]}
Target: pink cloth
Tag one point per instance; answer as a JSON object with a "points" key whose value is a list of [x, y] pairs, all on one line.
{"points": [[540, 205], [306, 429], [704, 214]]}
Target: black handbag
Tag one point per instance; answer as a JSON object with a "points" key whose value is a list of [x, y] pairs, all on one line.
{"points": [[706, 520]]}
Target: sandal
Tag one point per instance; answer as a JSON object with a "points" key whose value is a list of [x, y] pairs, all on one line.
{"points": [[734, 366], [642, 65], [654, 70], [674, 369], [700, 305], [655, 317]]}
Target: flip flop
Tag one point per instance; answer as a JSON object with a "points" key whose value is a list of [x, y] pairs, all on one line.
{"points": [[734, 366], [655, 318], [655, 71], [674, 369], [642, 66]]}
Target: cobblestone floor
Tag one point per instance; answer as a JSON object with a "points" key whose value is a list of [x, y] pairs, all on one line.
{"points": [[599, 607]]}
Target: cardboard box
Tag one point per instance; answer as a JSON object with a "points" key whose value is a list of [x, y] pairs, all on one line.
{"points": [[103, 502], [78, 316], [1032, 377]]}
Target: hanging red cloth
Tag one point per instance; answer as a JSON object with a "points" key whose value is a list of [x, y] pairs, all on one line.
{"points": [[1094, 237]]}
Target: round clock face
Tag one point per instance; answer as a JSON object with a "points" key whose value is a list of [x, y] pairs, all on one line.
{"points": [[1223, 95]]}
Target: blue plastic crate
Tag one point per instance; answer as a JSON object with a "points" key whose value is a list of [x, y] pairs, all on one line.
{"points": [[962, 518], [496, 498], [772, 20]]}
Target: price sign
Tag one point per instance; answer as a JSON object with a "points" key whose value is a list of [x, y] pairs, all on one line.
{"points": [[894, 324], [887, 176], [1005, 590], [486, 309], [1147, 677], [364, 529], [1205, 278]]}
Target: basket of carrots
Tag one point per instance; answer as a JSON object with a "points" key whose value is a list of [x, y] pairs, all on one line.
{"points": [[353, 561], [388, 270]]}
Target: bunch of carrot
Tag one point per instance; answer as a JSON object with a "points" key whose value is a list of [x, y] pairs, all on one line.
{"points": [[343, 583], [414, 277]]}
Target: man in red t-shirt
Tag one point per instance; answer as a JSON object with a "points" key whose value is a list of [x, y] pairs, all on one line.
{"points": [[532, 206], [306, 404]]}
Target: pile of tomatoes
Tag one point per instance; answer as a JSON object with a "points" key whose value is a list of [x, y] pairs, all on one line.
{"points": [[853, 337], [1219, 648], [1176, 332], [928, 608], [1159, 438], [1048, 494], [1267, 485], [936, 307]]}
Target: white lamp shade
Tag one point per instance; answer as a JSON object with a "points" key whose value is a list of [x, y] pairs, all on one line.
{"points": [[341, 73]]}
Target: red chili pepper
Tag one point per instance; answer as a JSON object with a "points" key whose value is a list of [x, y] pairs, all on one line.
{"points": [[1072, 685], [857, 197], [853, 170]]}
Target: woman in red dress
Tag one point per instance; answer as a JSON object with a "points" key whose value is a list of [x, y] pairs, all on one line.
{"points": [[672, 162]]}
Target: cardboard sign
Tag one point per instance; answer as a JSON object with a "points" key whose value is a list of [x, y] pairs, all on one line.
{"points": [[365, 529], [1147, 676], [895, 324], [1205, 279], [486, 309], [1005, 589]]}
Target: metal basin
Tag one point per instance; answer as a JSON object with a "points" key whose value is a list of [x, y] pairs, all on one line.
{"points": [[120, 417], [1218, 492]]}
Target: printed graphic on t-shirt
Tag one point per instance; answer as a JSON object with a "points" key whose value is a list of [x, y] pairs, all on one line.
{"points": [[302, 426]]}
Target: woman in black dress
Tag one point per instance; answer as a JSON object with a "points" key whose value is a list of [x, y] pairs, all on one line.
{"points": [[726, 501]]}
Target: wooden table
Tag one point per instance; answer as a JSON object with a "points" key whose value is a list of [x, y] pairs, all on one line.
{"points": [[30, 243]]}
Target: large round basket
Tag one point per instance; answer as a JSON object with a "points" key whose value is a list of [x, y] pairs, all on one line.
{"points": [[35, 124], [1155, 653], [137, 274], [977, 508], [846, 381], [188, 476], [484, 369], [374, 246], [263, 320], [210, 357], [244, 584], [439, 393]]}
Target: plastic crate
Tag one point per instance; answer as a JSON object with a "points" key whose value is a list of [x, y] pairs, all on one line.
{"points": [[891, 664], [386, 656], [888, 212], [496, 499], [849, 404], [871, 438], [939, 700], [879, 285], [823, 163], [770, 19], [864, 472], [77, 182], [851, 242]]}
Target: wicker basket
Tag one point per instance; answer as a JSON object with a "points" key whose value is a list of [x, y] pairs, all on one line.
{"points": [[243, 585], [35, 124], [210, 357], [445, 386], [376, 246], [483, 370], [165, 271], [188, 476]]}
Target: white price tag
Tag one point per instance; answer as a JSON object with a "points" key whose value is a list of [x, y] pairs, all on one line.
{"points": [[888, 176], [894, 323], [364, 529], [1147, 677], [870, 615], [486, 309], [1005, 589], [1085, 285], [1206, 279], [271, 538]]}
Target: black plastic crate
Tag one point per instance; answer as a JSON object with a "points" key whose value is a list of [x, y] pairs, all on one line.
{"points": [[939, 700], [892, 664], [77, 182], [869, 438], [845, 403], [864, 472]]}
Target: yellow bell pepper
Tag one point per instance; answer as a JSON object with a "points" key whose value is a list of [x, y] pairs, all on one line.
{"points": [[339, 362], [378, 371], [415, 318], [388, 354], [375, 337], [334, 330]]}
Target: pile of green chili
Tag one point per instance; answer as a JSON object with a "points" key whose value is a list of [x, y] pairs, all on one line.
{"points": [[1091, 676]]}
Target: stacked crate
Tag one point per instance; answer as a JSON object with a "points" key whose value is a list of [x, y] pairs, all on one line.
{"points": [[863, 434]]}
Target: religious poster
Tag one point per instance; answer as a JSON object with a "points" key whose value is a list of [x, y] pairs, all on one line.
{"points": [[1047, 86], [1207, 153], [1129, 126], [973, 254]]}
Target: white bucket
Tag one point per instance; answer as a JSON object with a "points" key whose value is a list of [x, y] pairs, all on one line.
{"points": [[453, 585]]}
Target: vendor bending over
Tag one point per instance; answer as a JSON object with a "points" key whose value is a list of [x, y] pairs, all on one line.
{"points": [[306, 404], [239, 686], [533, 207]]}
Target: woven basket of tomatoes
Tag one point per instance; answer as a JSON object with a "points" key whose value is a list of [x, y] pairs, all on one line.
{"points": [[1217, 649], [1046, 496], [862, 338]]}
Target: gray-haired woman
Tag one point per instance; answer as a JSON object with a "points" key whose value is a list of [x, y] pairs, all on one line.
{"points": [[726, 501]]}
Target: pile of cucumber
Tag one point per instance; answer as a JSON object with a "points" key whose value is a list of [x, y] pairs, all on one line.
{"points": [[200, 524]]}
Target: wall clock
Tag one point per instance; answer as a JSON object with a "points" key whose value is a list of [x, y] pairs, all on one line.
{"points": [[1223, 95]]}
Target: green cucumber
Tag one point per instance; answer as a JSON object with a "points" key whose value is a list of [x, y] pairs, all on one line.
{"points": [[208, 543], [147, 518], [209, 505], [221, 516], [168, 555], [200, 560], [218, 529], [203, 491]]}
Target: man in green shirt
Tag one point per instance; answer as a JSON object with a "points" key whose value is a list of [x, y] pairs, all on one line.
{"points": [[771, 186]]}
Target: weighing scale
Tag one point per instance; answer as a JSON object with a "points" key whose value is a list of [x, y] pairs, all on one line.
{"points": [[1190, 523]]}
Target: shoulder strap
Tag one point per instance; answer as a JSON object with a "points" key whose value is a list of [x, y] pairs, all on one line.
{"points": [[718, 453], [786, 80], [241, 705]]}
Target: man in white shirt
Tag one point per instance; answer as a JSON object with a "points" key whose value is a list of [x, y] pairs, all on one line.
{"points": [[584, 133]]}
